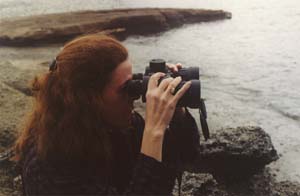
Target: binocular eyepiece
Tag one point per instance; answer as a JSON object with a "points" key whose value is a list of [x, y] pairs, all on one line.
{"points": [[137, 87]]}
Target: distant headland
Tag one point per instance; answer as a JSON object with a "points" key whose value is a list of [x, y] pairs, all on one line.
{"points": [[120, 23]]}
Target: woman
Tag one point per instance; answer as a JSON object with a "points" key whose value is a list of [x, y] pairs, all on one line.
{"points": [[83, 136]]}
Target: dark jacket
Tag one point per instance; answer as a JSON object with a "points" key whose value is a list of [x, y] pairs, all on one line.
{"points": [[133, 172]]}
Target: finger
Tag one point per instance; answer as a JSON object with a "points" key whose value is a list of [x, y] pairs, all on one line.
{"points": [[172, 67], [179, 65], [153, 81], [175, 68], [182, 90], [171, 87], [164, 83]]}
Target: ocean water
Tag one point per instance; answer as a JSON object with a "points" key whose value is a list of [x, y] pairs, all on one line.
{"points": [[250, 65]]}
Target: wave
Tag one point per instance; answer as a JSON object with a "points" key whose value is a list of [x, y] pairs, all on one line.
{"points": [[287, 114]]}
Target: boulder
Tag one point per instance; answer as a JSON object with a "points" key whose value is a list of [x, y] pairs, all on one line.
{"points": [[232, 154], [57, 28]]}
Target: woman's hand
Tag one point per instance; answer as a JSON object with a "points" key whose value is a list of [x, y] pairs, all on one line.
{"points": [[160, 106], [174, 67]]}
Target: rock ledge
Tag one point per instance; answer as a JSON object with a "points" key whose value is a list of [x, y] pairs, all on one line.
{"points": [[57, 28]]}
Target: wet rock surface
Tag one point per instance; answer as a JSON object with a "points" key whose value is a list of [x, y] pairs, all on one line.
{"points": [[233, 154], [57, 28]]}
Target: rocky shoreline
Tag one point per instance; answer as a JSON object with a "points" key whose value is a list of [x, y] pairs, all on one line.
{"points": [[233, 162], [58, 28]]}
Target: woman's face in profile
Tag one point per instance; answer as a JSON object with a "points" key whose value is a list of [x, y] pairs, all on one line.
{"points": [[117, 106]]}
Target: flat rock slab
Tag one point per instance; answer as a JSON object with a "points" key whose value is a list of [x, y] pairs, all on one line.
{"points": [[235, 153], [57, 28]]}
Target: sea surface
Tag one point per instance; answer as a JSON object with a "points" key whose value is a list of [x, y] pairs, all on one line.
{"points": [[250, 65]]}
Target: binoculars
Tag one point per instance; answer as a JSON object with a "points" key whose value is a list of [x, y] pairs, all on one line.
{"points": [[137, 87]]}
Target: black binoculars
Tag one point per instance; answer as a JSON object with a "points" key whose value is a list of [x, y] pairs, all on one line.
{"points": [[137, 87]]}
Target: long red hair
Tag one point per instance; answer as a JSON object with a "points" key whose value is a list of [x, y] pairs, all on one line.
{"points": [[66, 121]]}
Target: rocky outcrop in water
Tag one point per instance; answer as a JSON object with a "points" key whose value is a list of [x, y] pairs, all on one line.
{"points": [[57, 28], [233, 154]]}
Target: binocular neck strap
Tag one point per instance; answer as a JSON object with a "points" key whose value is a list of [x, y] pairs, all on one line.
{"points": [[203, 116]]}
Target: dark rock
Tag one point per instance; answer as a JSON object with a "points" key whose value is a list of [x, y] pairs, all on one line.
{"points": [[261, 184], [198, 184], [57, 28], [235, 153]]}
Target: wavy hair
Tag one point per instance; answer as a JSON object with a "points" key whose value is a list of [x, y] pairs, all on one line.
{"points": [[66, 121]]}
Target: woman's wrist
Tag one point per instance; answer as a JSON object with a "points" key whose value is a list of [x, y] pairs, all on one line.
{"points": [[154, 133], [152, 144]]}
